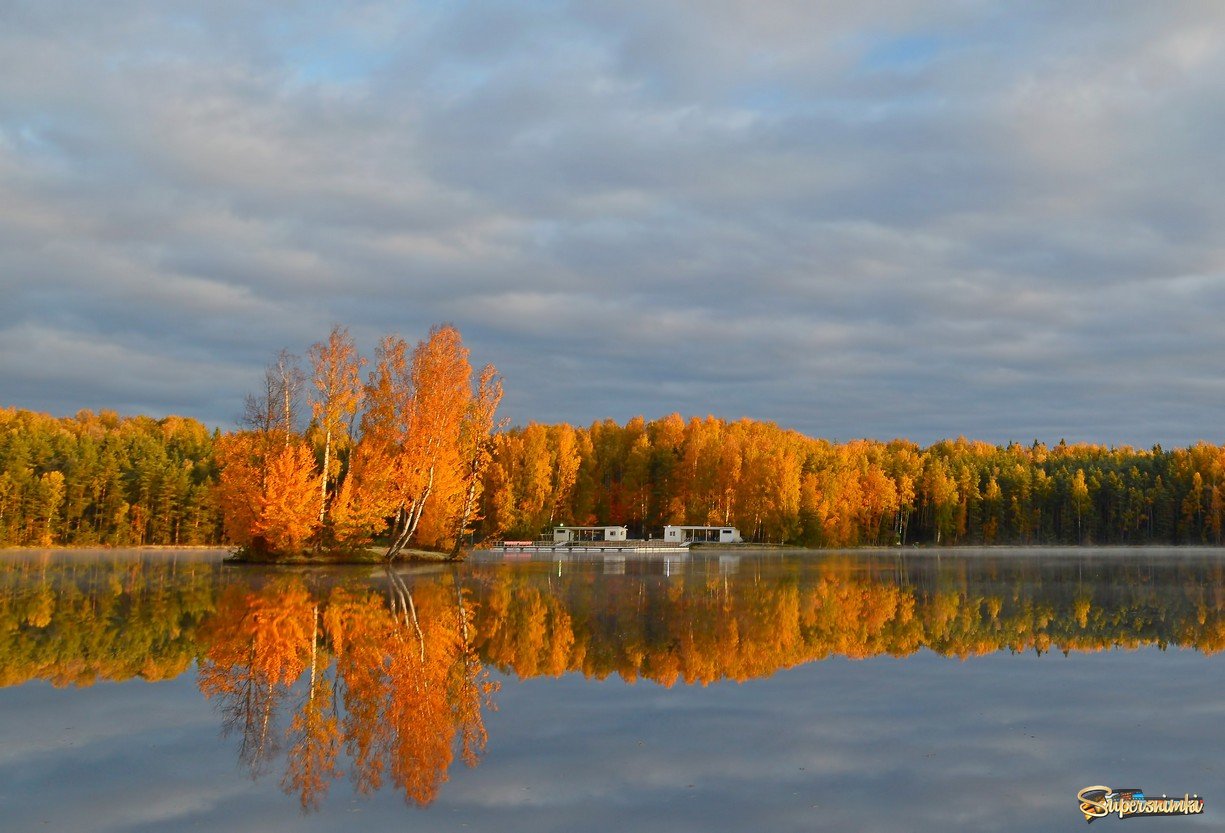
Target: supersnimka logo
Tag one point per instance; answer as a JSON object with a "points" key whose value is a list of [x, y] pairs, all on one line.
{"points": [[1098, 802]]}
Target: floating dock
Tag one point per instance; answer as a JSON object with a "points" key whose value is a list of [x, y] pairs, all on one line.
{"points": [[603, 547]]}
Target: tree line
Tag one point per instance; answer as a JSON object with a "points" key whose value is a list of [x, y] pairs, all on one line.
{"points": [[777, 485], [103, 479], [339, 453]]}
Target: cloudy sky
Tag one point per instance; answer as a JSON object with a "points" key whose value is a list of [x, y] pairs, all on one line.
{"points": [[924, 220]]}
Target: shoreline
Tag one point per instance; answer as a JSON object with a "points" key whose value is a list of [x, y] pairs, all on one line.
{"points": [[373, 556], [365, 556]]}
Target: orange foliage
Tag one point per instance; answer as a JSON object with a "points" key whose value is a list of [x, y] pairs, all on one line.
{"points": [[422, 445], [266, 491], [240, 486], [258, 645], [777, 485], [408, 693], [314, 749], [288, 515], [410, 683], [264, 636], [336, 376]]}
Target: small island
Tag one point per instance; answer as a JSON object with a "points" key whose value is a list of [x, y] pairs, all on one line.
{"points": [[409, 474]]}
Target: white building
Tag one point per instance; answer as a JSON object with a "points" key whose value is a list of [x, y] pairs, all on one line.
{"points": [[574, 534], [702, 534]]}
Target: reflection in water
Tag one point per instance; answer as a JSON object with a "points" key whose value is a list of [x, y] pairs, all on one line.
{"points": [[712, 623], [74, 621], [383, 678], [393, 682]]}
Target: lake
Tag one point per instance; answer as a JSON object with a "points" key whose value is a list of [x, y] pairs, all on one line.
{"points": [[876, 691]]}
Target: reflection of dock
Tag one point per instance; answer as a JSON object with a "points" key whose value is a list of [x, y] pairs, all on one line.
{"points": [[614, 565], [630, 557], [613, 557]]}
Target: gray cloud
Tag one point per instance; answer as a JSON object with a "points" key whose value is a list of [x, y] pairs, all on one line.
{"points": [[981, 220]]}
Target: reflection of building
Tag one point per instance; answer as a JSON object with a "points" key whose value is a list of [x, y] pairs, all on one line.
{"points": [[571, 534], [703, 534]]}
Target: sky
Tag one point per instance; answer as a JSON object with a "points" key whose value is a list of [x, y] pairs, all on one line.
{"points": [[996, 220]]}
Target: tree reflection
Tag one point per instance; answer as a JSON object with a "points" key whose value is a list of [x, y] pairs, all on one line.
{"points": [[314, 734], [259, 643], [392, 681], [74, 622], [702, 626]]}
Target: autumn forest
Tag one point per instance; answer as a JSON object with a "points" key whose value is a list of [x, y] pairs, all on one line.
{"points": [[404, 451]]}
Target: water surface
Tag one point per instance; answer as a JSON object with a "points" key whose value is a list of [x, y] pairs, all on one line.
{"points": [[808, 691]]}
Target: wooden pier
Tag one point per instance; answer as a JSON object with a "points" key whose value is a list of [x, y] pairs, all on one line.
{"points": [[603, 547]]}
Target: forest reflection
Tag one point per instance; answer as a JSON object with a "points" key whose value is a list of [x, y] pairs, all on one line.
{"points": [[384, 676], [392, 679], [709, 624]]}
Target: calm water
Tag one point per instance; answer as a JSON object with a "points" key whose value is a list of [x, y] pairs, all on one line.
{"points": [[813, 691]]}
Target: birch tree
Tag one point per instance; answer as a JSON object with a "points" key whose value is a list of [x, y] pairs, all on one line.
{"points": [[336, 376]]}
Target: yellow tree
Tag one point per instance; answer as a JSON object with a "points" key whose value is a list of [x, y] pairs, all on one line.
{"points": [[534, 472], [879, 496], [476, 441], [437, 395], [727, 474], [337, 378], [565, 469], [940, 491], [50, 495], [266, 494], [287, 518], [365, 497], [240, 485], [416, 409], [1081, 502]]}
